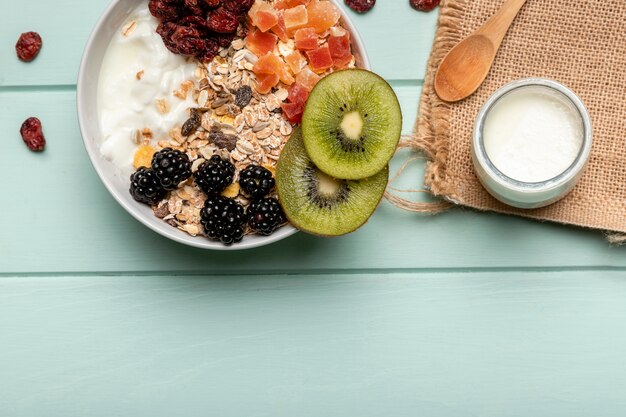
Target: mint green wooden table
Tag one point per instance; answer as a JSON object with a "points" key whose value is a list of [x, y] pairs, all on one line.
{"points": [[462, 314]]}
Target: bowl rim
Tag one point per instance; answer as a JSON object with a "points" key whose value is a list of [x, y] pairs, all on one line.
{"points": [[194, 241]]}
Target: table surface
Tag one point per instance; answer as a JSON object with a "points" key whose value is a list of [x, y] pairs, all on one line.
{"points": [[464, 313]]}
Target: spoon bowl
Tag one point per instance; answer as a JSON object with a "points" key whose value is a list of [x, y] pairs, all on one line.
{"points": [[472, 58], [466, 66]]}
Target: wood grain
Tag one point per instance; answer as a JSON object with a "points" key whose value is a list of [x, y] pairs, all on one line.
{"points": [[443, 345]]}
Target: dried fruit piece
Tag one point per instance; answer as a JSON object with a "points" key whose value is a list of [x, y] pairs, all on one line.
{"points": [[360, 6], [293, 111], [266, 19], [28, 46], [296, 17], [266, 82], [222, 20], [222, 140], [340, 46], [243, 95], [32, 134], [322, 15], [199, 28], [192, 124], [143, 156], [280, 30], [260, 43], [320, 59], [232, 190], [295, 61], [307, 78], [424, 5], [306, 38], [271, 64]]}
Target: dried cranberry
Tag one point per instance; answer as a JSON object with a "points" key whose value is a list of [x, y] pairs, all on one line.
{"points": [[238, 6], [28, 46], [188, 41], [222, 20], [33, 134], [360, 6], [193, 7], [195, 22], [211, 3], [166, 10], [424, 5]]}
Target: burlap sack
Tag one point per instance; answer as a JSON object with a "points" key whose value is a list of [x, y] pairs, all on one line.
{"points": [[580, 43]]}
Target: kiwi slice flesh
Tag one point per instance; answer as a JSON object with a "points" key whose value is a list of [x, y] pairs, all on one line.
{"points": [[319, 204], [352, 124]]}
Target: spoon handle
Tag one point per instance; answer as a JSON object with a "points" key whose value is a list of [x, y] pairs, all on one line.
{"points": [[496, 27]]}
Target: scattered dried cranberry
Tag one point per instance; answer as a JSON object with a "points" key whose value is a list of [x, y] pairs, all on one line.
{"points": [[360, 6], [28, 46], [33, 135], [424, 5]]}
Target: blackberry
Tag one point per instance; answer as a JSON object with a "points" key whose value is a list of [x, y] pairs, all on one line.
{"points": [[171, 167], [214, 175], [145, 186], [265, 216], [256, 181], [223, 219]]}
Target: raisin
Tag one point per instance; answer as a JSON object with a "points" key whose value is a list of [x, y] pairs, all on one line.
{"points": [[222, 140], [28, 46], [211, 3], [360, 6], [222, 20], [192, 124], [33, 134], [243, 95], [424, 5]]}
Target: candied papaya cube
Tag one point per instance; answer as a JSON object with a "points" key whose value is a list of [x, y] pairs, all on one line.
{"points": [[266, 19], [271, 64], [288, 4], [296, 17], [260, 43], [265, 82], [280, 30], [267, 64], [307, 78], [339, 46], [342, 63], [295, 61], [322, 15], [320, 59], [293, 111], [297, 93], [306, 38]]}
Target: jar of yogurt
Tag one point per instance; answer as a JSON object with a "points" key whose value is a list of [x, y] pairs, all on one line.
{"points": [[532, 140]]}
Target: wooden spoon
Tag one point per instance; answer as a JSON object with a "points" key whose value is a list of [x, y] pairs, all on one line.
{"points": [[466, 66]]}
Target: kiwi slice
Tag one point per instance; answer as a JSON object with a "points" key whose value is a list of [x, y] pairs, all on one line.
{"points": [[316, 203], [352, 124]]}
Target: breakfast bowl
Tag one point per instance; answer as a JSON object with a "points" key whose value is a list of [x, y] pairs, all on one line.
{"points": [[116, 180]]}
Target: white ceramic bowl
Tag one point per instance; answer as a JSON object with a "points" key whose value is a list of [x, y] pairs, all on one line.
{"points": [[110, 22]]}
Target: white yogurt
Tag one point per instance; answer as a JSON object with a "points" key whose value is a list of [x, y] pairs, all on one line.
{"points": [[126, 103], [532, 135]]}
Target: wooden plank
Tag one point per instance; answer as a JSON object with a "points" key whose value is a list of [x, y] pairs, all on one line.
{"points": [[398, 39], [57, 217], [437, 345]]}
